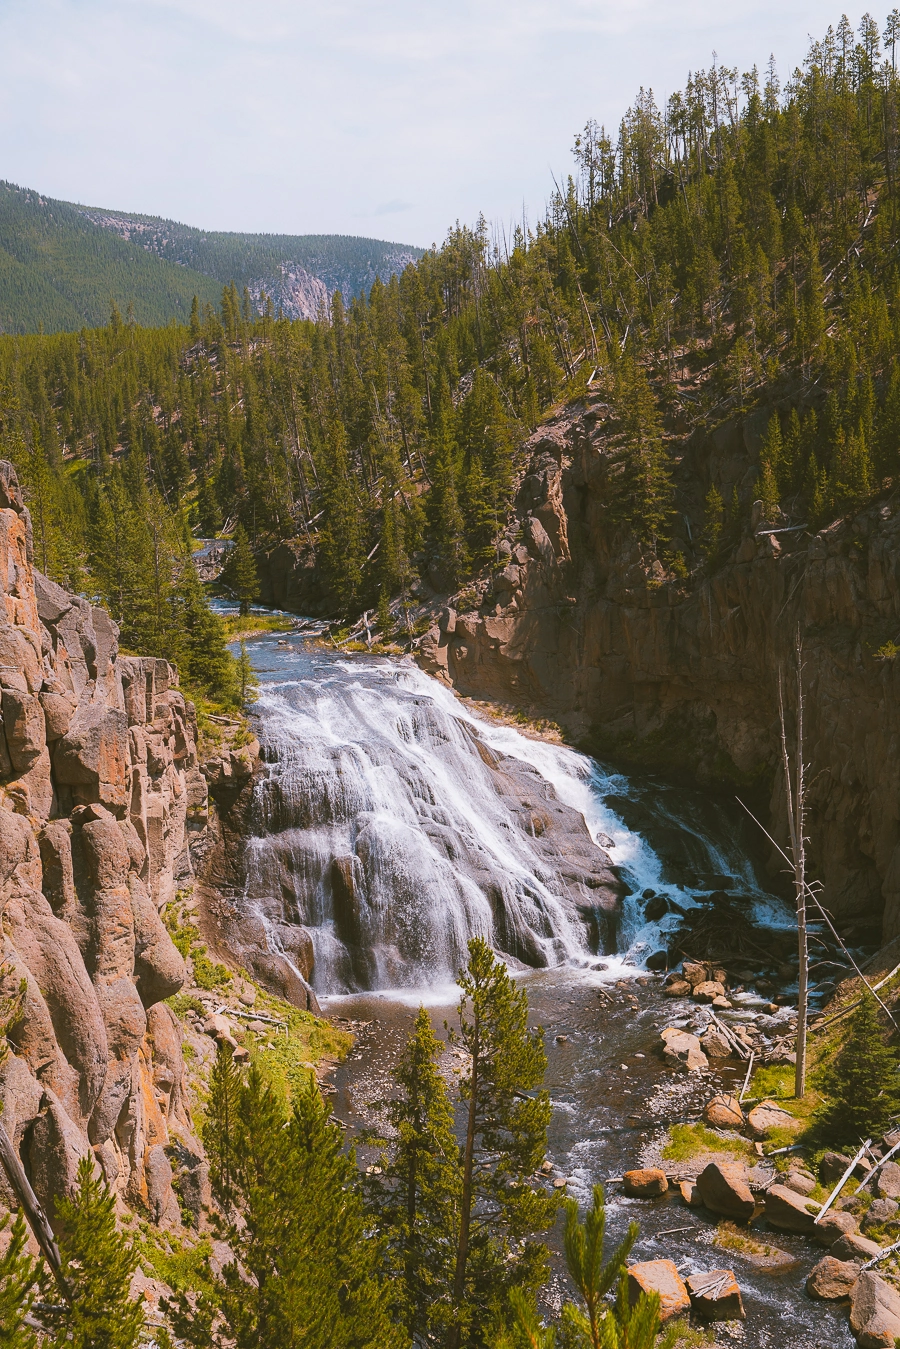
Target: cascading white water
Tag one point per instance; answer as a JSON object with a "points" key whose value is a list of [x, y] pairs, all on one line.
{"points": [[385, 828]]}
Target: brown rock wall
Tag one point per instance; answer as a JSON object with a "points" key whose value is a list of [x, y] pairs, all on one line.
{"points": [[98, 763], [681, 673]]}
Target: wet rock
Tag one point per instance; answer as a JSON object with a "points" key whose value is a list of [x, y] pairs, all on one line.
{"points": [[708, 991], [832, 1227], [768, 1116], [724, 1112], [789, 1211], [662, 1277], [645, 1184], [694, 973], [887, 1182], [690, 1193], [715, 1295], [831, 1278], [724, 1189], [880, 1211], [683, 1050], [714, 1044], [874, 1312], [679, 988]]}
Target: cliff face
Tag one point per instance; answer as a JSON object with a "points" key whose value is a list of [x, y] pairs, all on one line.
{"points": [[99, 791], [681, 674]]}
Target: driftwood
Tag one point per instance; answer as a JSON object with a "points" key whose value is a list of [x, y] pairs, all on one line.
{"points": [[737, 1045], [747, 1078], [888, 1250], [31, 1206], [842, 1182]]}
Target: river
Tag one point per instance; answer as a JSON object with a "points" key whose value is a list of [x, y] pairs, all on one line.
{"points": [[387, 827]]}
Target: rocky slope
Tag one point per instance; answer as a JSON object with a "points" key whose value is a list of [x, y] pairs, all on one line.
{"points": [[680, 674], [100, 790]]}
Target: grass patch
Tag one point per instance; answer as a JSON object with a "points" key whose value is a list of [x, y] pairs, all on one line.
{"points": [[690, 1140], [774, 1081], [207, 974], [237, 625], [290, 1058], [182, 1003], [731, 1238]]}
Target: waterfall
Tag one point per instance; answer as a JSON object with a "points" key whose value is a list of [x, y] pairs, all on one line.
{"points": [[393, 824]]}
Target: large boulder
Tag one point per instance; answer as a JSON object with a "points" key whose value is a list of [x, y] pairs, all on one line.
{"points": [[662, 1277], [888, 1181], [789, 1211], [715, 1295], [880, 1211], [682, 1050], [832, 1227], [724, 1112], [724, 1189], [832, 1167], [764, 1119], [831, 1278], [854, 1246], [874, 1312], [646, 1184]]}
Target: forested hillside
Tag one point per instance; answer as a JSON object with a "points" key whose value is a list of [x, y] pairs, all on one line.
{"points": [[264, 261], [59, 271], [735, 247]]}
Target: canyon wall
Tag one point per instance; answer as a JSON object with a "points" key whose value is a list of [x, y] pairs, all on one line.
{"points": [[100, 789], [680, 673]]}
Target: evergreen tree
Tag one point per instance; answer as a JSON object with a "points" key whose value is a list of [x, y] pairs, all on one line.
{"points": [[861, 1085], [419, 1201], [240, 573], [98, 1263], [505, 1142], [18, 1274], [296, 1219]]}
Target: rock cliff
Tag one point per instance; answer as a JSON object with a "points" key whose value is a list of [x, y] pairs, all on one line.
{"points": [[680, 673], [100, 789]]}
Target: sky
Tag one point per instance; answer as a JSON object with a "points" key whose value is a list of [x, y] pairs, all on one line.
{"points": [[386, 118]]}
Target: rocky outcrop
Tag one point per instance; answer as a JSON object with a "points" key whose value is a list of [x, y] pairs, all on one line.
{"points": [[679, 672], [99, 790]]}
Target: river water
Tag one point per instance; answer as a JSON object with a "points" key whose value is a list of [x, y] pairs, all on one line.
{"points": [[380, 829]]}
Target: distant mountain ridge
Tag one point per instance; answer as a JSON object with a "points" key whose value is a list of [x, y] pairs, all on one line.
{"points": [[63, 265]]}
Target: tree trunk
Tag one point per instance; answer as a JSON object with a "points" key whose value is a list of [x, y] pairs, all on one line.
{"points": [[462, 1249]]}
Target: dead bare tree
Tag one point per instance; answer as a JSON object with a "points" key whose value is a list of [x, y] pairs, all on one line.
{"points": [[795, 800]]}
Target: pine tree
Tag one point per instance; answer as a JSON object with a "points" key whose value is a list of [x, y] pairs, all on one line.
{"points": [[505, 1142], [240, 573], [302, 1234], [18, 1273], [861, 1085], [714, 520], [418, 1204], [98, 1263]]}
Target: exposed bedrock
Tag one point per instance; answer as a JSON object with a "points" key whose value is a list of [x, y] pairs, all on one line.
{"points": [[680, 674], [100, 789]]}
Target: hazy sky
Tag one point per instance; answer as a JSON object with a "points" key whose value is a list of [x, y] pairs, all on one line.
{"points": [[391, 118]]}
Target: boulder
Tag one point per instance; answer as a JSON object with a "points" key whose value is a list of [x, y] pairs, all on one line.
{"points": [[679, 989], [874, 1312], [690, 1193], [683, 1050], [724, 1112], [708, 991], [768, 1116], [646, 1184], [714, 1044], [23, 722], [789, 1211], [724, 1189], [91, 757], [880, 1211], [852, 1246], [832, 1167], [715, 1295], [662, 1277], [831, 1278], [832, 1227], [694, 973], [887, 1183], [800, 1182]]}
